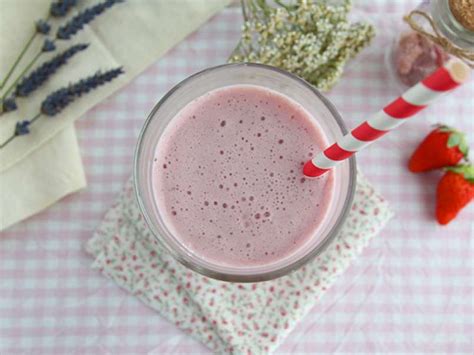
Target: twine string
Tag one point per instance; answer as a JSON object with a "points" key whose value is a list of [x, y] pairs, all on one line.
{"points": [[437, 38]]}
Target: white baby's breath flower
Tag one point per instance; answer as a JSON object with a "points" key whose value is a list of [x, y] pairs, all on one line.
{"points": [[309, 38]]}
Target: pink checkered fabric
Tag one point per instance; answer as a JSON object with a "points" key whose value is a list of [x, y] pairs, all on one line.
{"points": [[410, 292]]}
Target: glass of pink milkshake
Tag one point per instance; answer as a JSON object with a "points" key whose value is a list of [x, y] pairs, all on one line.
{"points": [[218, 173]]}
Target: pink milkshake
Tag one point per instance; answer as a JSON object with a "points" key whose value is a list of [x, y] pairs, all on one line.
{"points": [[227, 177], [218, 173]]}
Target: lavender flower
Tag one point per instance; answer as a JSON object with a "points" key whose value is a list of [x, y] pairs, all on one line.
{"points": [[58, 100], [60, 8], [38, 76], [43, 27], [84, 17], [9, 105], [22, 128], [48, 46]]}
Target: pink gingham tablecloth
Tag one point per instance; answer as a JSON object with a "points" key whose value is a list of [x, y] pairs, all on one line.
{"points": [[410, 292]]}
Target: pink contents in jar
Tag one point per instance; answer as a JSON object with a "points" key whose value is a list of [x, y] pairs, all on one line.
{"points": [[416, 57]]}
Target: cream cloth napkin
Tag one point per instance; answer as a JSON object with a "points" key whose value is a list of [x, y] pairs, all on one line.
{"points": [[132, 34], [228, 317], [47, 174]]}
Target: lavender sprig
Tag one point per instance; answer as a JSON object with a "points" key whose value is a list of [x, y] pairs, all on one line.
{"points": [[9, 105], [58, 8], [48, 46], [71, 27], [22, 128], [60, 99], [43, 27], [39, 76], [84, 17]]}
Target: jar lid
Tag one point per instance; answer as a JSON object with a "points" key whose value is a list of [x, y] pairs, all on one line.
{"points": [[463, 12]]}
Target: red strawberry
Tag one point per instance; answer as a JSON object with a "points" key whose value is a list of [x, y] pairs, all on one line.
{"points": [[444, 146], [455, 190]]}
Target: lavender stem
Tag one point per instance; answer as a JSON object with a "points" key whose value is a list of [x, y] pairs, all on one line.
{"points": [[22, 53], [7, 141], [18, 59], [28, 67], [13, 136]]}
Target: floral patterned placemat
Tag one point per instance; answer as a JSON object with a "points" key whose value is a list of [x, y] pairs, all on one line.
{"points": [[227, 317]]}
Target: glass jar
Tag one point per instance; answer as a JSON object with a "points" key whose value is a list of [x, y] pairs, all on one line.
{"points": [[449, 26], [274, 79], [412, 56]]}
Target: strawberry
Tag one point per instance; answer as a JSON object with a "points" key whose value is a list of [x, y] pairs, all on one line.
{"points": [[444, 146], [455, 190]]}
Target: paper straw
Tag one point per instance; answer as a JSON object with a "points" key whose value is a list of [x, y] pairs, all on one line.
{"points": [[443, 80]]}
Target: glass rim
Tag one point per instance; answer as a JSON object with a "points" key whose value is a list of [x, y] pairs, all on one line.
{"points": [[263, 276]]}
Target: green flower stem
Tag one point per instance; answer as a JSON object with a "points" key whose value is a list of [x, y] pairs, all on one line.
{"points": [[38, 115], [28, 67], [14, 135], [20, 56], [285, 6], [264, 7], [18, 59], [7, 141], [244, 12]]}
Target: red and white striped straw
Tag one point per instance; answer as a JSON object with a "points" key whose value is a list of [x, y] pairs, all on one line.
{"points": [[443, 80]]}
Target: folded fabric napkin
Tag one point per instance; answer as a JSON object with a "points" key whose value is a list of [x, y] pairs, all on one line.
{"points": [[39, 169], [227, 317], [51, 172]]}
